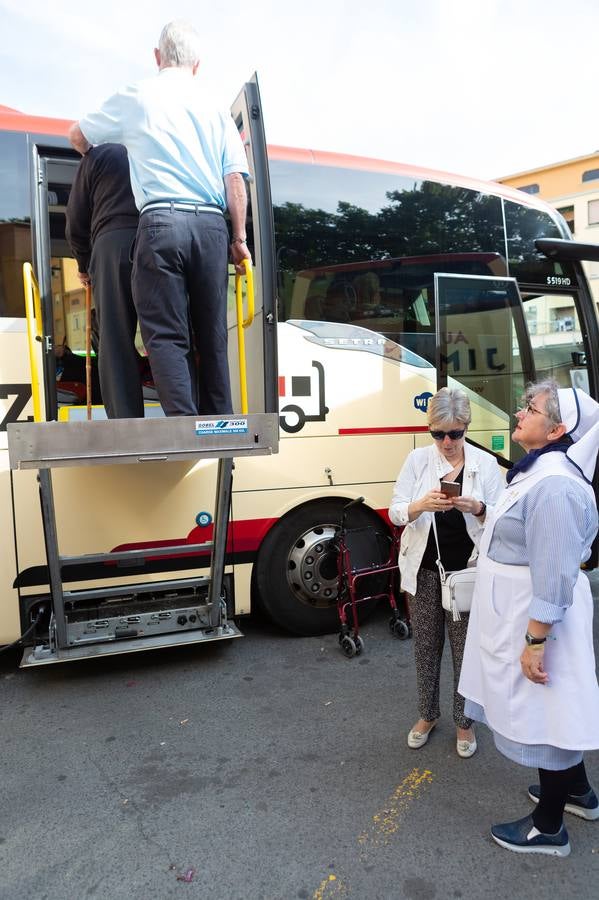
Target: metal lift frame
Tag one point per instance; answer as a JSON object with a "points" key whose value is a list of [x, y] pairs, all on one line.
{"points": [[47, 445]]}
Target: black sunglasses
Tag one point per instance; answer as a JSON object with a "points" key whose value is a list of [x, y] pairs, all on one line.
{"points": [[455, 435]]}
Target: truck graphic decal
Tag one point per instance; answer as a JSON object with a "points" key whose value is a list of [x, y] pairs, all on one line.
{"points": [[307, 389]]}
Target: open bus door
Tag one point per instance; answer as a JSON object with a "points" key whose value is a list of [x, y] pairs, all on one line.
{"points": [[62, 297], [493, 338], [262, 379], [97, 619], [483, 346]]}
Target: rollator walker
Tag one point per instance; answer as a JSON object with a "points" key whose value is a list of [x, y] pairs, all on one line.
{"points": [[367, 571]]}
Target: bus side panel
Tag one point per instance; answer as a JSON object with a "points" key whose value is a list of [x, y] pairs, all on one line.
{"points": [[15, 405], [15, 375], [101, 508], [304, 468], [327, 387], [10, 626]]}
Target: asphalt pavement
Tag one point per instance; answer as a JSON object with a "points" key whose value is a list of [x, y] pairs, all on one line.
{"points": [[267, 767]]}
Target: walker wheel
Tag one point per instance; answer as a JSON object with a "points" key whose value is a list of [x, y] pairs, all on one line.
{"points": [[348, 647], [400, 629], [359, 644]]}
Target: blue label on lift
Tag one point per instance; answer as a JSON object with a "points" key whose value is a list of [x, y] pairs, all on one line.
{"points": [[222, 426]]}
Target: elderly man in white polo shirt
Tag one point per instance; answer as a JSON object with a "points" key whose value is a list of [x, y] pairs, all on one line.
{"points": [[187, 164]]}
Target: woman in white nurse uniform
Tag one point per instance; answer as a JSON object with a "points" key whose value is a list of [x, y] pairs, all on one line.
{"points": [[529, 665]]}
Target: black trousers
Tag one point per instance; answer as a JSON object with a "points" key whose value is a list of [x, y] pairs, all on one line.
{"points": [[180, 292], [118, 361]]}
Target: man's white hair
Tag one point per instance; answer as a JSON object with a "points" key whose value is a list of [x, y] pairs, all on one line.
{"points": [[179, 44]]}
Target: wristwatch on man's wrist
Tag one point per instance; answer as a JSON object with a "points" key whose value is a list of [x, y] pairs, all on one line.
{"points": [[483, 509], [533, 641]]}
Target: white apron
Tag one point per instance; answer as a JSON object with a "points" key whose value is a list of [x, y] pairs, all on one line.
{"points": [[565, 712]]}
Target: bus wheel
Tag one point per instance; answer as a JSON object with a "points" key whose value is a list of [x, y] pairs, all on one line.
{"points": [[296, 569]]}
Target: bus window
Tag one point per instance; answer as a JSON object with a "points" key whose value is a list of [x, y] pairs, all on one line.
{"points": [[357, 226], [523, 227], [484, 349]]}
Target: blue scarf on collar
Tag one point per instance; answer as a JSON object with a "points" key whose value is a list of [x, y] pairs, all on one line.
{"points": [[526, 462]]}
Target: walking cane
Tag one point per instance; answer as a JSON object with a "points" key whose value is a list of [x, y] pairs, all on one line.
{"points": [[88, 348]]}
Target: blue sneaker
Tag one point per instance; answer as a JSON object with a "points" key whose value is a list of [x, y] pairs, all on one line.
{"points": [[523, 837], [585, 807]]}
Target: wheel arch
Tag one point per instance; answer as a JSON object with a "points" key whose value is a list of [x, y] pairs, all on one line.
{"points": [[294, 505], [277, 554]]}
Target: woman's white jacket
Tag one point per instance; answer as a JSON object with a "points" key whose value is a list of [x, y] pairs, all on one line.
{"points": [[422, 472]]}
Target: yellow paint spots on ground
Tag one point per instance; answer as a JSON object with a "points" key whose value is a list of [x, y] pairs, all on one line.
{"points": [[385, 823], [387, 820], [330, 887]]}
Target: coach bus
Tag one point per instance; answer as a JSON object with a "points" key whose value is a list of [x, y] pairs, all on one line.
{"points": [[377, 283]]}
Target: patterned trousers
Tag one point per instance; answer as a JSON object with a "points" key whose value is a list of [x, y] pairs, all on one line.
{"points": [[428, 620]]}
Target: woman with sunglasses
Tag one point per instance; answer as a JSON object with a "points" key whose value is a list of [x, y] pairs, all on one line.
{"points": [[459, 520], [529, 664]]}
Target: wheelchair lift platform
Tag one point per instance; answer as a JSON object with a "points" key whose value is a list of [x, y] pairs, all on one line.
{"points": [[103, 621]]}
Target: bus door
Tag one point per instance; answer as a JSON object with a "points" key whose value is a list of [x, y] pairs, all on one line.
{"points": [[61, 294], [493, 340], [261, 335], [483, 347]]}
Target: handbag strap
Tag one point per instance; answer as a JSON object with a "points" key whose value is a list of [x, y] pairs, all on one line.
{"points": [[438, 560]]}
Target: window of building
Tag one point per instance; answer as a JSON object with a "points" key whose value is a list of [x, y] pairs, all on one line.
{"points": [[530, 188], [593, 206], [590, 175], [568, 214]]}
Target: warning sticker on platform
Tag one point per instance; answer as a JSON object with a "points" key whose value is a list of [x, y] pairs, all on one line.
{"points": [[222, 426]]}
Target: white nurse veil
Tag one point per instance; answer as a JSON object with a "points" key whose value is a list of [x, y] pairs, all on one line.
{"points": [[580, 414]]}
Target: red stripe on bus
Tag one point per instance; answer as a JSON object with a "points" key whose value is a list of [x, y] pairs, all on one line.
{"points": [[399, 429], [245, 535], [13, 120]]}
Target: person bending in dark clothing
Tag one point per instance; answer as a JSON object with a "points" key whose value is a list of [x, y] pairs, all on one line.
{"points": [[101, 227]]}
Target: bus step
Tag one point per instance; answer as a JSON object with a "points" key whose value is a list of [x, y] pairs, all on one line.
{"points": [[131, 592], [43, 655], [138, 556]]}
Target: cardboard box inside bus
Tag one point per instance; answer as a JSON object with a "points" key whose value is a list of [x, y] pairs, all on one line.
{"points": [[15, 249]]}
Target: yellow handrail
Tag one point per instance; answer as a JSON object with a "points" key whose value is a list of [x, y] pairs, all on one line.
{"points": [[88, 349], [244, 323], [33, 312]]}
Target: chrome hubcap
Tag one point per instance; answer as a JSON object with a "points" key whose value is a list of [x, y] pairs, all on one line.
{"points": [[312, 567]]}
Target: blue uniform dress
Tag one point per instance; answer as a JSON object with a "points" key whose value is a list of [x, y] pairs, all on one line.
{"points": [[550, 529], [180, 150]]}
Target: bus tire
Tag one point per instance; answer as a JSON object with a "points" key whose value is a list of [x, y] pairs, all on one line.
{"points": [[296, 571]]}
